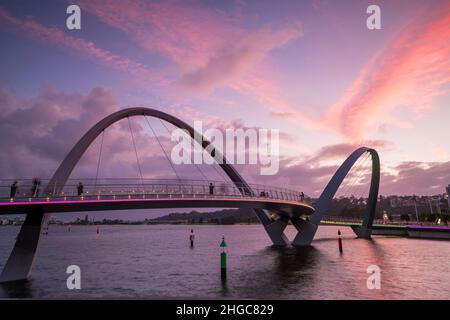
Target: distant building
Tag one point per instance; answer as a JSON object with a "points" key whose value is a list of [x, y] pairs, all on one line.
{"points": [[394, 201]]}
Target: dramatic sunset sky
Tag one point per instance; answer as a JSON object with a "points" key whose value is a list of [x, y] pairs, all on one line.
{"points": [[308, 68]]}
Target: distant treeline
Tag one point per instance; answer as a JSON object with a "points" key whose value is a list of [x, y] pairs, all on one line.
{"points": [[226, 216]]}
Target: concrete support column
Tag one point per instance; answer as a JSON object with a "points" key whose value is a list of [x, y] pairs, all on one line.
{"points": [[20, 261], [306, 231], [274, 228], [362, 232]]}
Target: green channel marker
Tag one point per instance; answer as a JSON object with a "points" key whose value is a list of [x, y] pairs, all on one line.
{"points": [[223, 260]]}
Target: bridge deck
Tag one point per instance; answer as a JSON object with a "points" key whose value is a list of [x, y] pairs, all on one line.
{"points": [[291, 208]]}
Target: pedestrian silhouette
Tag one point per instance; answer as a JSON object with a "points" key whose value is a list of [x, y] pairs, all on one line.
{"points": [[80, 189], [13, 192], [302, 196], [35, 187], [211, 188]]}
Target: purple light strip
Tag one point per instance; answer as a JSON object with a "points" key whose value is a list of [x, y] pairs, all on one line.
{"points": [[149, 199], [428, 227]]}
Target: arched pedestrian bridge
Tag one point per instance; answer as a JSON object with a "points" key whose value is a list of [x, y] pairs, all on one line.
{"points": [[275, 207]]}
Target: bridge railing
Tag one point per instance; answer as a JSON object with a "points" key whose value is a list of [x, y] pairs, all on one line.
{"points": [[102, 189], [349, 220], [340, 219]]}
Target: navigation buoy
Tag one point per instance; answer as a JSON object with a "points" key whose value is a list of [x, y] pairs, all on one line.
{"points": [[192, 237], [340, 241], [223, 260]]}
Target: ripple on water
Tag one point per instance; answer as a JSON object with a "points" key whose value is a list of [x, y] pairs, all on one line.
{"points": [[156, 261]]}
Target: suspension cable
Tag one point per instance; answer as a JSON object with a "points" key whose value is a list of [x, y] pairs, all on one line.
{"points": [[99, 159], [360, 173], [362, 187], [354, 168], [163, 150], [346, 188], [135, 151], [362, 161], [219, 171], [196, 165], [353, 179]]}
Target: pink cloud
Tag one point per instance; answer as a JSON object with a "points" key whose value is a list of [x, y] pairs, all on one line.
{"points": [[410, 74], [240, 57], [312, 174], [209, 47], [185, 32], [55, 120], [267, 93], [421, 178], [38, 132], [86, 48], [339, 152]]}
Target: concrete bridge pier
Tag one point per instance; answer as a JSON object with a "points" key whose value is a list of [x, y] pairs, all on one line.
{"points": [[274, 228], [20, 261], [362, 232], [306, 231]]}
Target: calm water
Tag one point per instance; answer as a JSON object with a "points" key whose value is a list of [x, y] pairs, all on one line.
{"points": [[156, 261]]}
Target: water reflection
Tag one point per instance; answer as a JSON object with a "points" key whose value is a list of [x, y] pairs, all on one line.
{"points": [[291, 261], [224, 291], [16, 289], [255, 270], [275, 270], [375, 252]]}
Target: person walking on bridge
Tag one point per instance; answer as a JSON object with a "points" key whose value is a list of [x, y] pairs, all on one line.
{"points": [[13, 191], [211, 188], [80, 188]]}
